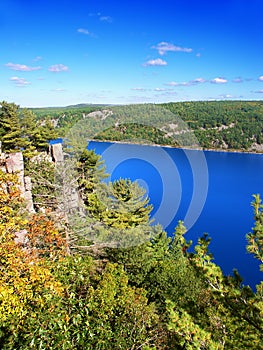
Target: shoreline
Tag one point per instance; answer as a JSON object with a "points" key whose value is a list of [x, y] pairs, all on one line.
{"points": [[183, 148]]}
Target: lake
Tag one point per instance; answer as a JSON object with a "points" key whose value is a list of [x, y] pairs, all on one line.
{"points": [[210, 191]]}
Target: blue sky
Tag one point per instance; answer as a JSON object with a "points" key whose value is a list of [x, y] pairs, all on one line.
{"points": [[60, 52]]}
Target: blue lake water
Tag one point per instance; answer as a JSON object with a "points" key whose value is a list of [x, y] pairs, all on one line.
{"points": [[210, 191]]}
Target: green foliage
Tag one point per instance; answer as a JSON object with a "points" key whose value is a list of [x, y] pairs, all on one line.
{"points": [[42, 173], [10, 133], [185, 333], [128, 206], [152, 293], [64, 117], [20, 130], [223, 124], [92, 171], [255, 239], [121, 204], [139, 132]]}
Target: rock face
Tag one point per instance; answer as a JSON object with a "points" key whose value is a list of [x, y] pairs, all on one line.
{"points": [[57, 152], [13, 163]]}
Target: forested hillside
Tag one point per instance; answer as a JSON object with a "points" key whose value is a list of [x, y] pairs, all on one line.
{"points": [[228, 125], [223, 124]]}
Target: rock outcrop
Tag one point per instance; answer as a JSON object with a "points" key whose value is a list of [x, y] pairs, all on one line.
{"points": [[56, 152], [13, 163]]}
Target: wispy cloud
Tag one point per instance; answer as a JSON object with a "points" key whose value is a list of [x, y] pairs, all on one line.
{"points": [[226, 96], [260, 78], [165, 94], [175, 83], [156, 62], [20, 81], [198, 81], [138, 89], [238, 80], [164, 47], [159, 89], [85, 32], [38, 58], [101, 17], [187, 83], [21, 67], [59, 90], [56, 68], [107, 19], [218, 80], [259, 91]]}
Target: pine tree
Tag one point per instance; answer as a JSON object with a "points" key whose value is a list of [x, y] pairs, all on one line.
{"points": [[94, 193], [10, 131], [44, 133], [28, 127], [255, 238], [129, 207]]}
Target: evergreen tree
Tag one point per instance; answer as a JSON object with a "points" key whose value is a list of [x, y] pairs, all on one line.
{"points": [[129, 207], [92, 170], [43, 134], [28, 127], [10, 131], [93, 191], [255, 238]]}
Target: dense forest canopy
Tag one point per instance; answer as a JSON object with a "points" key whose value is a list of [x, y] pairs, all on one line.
{"points": [[100, 275], [232, 125]]}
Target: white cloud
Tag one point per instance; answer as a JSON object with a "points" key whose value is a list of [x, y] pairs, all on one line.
{"points": [[58, 68], [156, 62], [20, 81], [164, 47], [219, 80], [259, 92], [237, 80], [107, 19], [198, 81], [225, 96], [85, 32], [187, 83], [174, 83], [101, 17], [21, 67], [159, 89], [260, 78], [138, 89], [59, 90]]}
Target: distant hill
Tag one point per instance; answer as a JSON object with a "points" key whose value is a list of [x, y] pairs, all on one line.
{"points": [[84, 105], [225, 125]]}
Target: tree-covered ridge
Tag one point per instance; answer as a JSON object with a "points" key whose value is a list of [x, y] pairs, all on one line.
{"points": [[63, 118], [230, 125], [223, 124]]}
